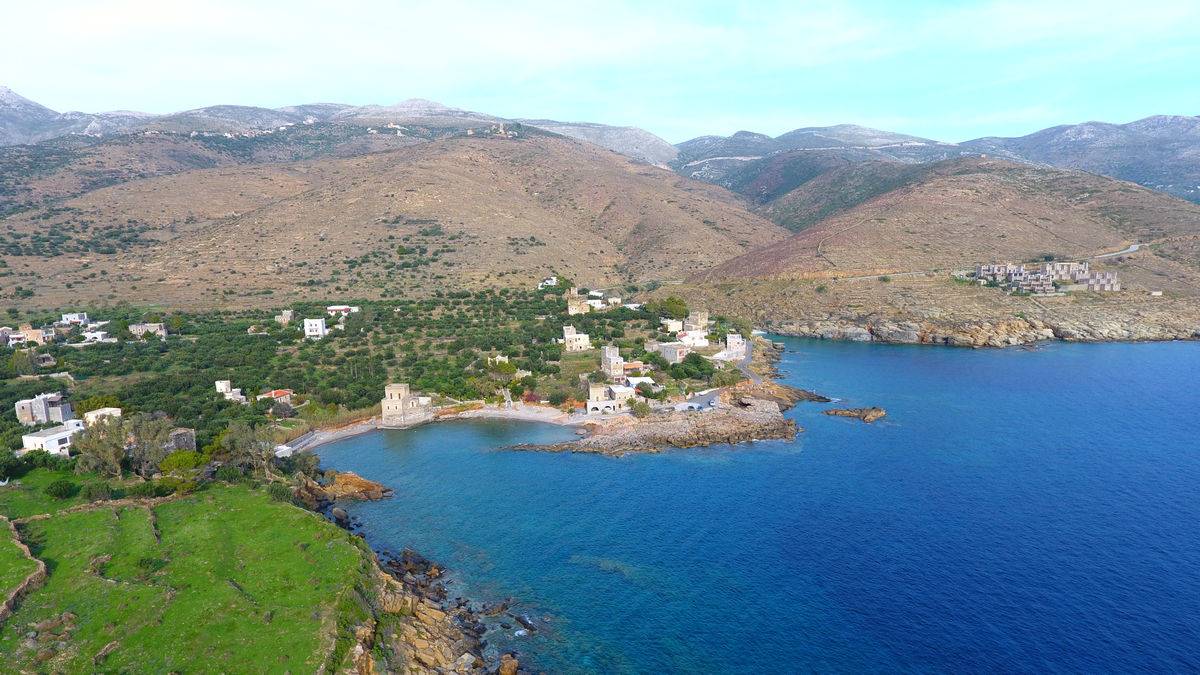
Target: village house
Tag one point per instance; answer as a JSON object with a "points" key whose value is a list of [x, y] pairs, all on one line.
{"points": [[45, 361], [604, 399], [55, 440], [696, 321], [1048, 278], [285, 317], [314, 329], [141, 330], [498, 358], [342, 311], [673, 352], [225, 388], [278, 395], [573, 341], [37, 336], [611, 364], [671, 325], [735, 344], [93, 416], [548, 282], [693, 338], [595, 303], [44, 409], [400, 407], [577, 305], [636, 382], [75, 319]]}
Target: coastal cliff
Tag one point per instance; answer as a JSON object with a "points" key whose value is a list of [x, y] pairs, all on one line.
{"points": [[999, 333]]}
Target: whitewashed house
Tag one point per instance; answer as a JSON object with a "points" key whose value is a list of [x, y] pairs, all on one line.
{"points": [[315, 329], [55, 440]]}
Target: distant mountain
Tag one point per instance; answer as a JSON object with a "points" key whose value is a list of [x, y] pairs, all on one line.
{"points": [[629, 141], [737, 159], [21, 118], [1160, 152]]}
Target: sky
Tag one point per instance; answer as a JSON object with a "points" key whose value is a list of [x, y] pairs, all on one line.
{"points": [[944, 70]]}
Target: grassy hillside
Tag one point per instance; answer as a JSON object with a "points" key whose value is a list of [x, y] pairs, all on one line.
{"points": [[462, 212], [222, 580]]}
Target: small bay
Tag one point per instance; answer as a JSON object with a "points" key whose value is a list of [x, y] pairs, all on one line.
{"points": [[1016, 510]]}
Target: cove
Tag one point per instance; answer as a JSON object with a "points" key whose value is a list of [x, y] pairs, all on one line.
{"points": [[1017, 510]]}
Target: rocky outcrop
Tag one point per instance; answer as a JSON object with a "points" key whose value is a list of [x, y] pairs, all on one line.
{"points": [[867, 415], [748, 419], [345, 485], [768, 390]]}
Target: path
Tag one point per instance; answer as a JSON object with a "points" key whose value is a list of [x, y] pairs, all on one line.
{"points": [[1132, 248], [744, 364]]}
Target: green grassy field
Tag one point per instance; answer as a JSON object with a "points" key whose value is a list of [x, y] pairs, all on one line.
{"points": [[26, 496], [14, 566], [235, 583]]}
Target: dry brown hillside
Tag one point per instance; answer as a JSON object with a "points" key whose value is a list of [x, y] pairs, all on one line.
{"points": [[451, 213], [973, 210]]}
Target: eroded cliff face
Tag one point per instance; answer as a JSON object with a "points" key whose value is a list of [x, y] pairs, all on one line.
{"points": [[1001, 333]]}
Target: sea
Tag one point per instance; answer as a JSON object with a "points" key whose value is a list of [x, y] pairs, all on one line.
{"points": [[1018, 510]]}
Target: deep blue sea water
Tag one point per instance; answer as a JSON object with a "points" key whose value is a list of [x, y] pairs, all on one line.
{"points": [[1016, 511]]}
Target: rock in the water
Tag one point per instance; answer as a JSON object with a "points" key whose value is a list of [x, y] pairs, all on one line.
{"points": [[508, 665], [867, 415]]}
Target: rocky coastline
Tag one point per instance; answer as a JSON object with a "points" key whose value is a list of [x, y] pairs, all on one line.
{"points": [[999, 333], [415, 618], [748, 419]]}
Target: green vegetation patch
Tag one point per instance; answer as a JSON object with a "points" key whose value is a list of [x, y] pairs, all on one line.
{"points": [[26, 496], [14, 566], [223, 580]]}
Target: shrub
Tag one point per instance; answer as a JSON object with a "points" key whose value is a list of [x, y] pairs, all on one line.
{"points": [[557, 398], [181, 460], [639, 409], [229, 474], [279, 492], [150, 489], [62, 489], [885, 278], [174, 484], [97, 491], [822, 288]]}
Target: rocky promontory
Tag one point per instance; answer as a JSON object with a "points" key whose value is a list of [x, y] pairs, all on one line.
{"points": [[748, 419]]}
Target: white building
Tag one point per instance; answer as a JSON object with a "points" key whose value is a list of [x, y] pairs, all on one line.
{"points": [[96, 336], [595, 303], [341, 310], [225, 388], [93, 416], [573, 341], [693, 338], [548, 282], [314, 329], [671, 325], [673, 352], [55, 440], [76, 318], [735, 344]]}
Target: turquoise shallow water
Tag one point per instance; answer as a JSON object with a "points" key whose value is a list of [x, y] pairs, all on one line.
{"points": [[1017, 510]]}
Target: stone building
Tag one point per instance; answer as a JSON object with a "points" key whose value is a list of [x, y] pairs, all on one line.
{"points": [[141, 330], [44, 409], [573, 341], [400, 407], [696, 321], [605, 399], [577, 305], [611, 364]]}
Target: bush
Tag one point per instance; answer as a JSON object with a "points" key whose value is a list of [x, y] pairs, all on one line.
{"points": [[229, 474], [179, 486], [181, 460], [98, 491], [279, 492], [150, 489], [557, 398], [62, 489], [640, 409]]}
